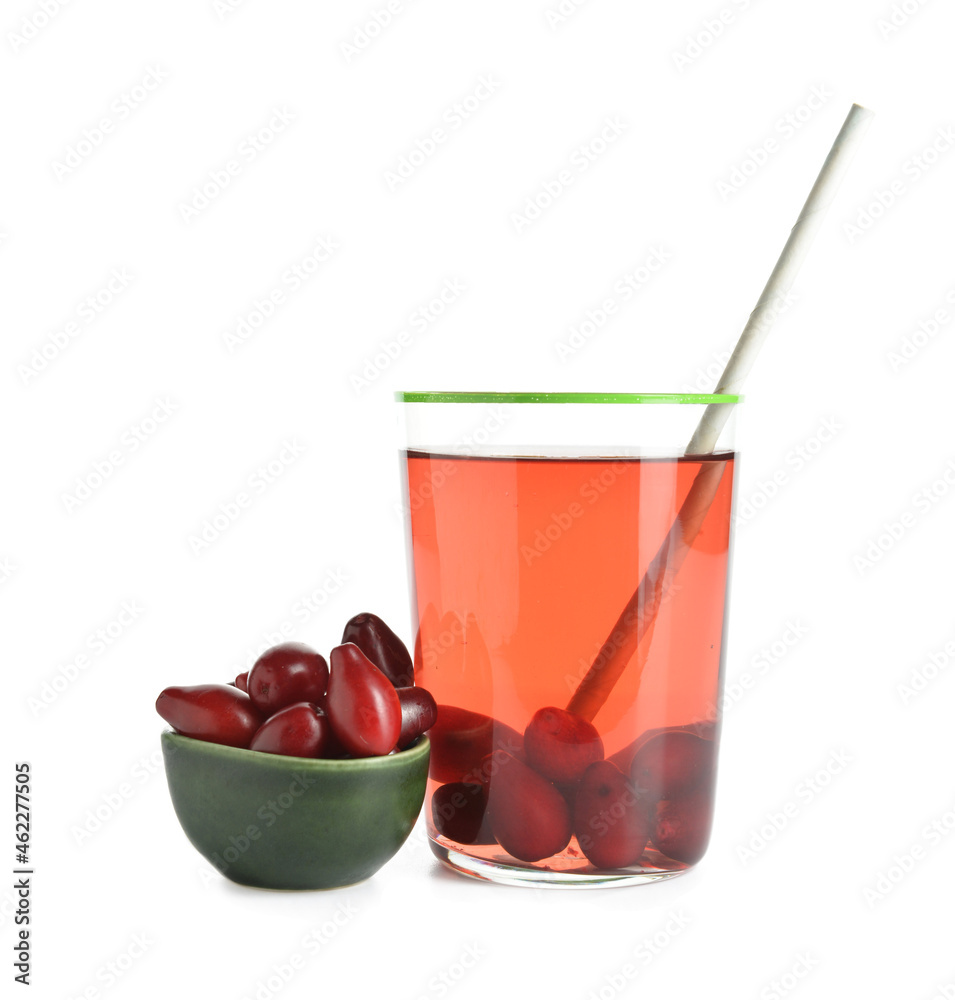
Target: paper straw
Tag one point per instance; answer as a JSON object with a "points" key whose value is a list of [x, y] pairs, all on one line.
{"points": [[636, 619]]}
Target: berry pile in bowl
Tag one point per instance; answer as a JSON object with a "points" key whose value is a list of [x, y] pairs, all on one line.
{"points": [[302, 773]]}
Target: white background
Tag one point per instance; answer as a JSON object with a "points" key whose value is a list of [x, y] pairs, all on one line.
{"points": [[856, 691]]}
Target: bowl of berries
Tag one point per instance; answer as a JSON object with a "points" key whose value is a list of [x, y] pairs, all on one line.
{"points": [[303, 773]]}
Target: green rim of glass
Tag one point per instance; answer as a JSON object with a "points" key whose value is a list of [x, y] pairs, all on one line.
{"points": [[704, 398]]}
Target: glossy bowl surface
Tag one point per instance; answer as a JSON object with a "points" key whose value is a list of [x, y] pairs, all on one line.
{"points": [[291, 822]]}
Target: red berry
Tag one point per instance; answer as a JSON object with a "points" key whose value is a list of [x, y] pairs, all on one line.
{"points": [[529, 817], [418, 714], [461, 739], [376, 640], [610, 820], [459, 812], [216, 713], [299, 730], [671, 764], [561, 745], [361, 704], [681, 827], [623, 758], [242, 682], [286, 674]]}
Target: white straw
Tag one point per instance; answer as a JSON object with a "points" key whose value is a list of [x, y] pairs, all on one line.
{"points": [[636, 620], [781, 280]]}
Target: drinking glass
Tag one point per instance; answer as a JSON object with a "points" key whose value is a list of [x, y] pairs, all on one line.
{"points": [[569, 567]]}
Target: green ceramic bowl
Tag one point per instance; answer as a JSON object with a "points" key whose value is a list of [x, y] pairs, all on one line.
{"points": [[292, 822]]}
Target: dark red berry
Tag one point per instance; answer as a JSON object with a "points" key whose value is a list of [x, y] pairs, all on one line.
{"points": [[560, 745], [299, 730], [529, 816], [671, 764], [681, 827], [459, 812], [286, 674], [376, 640], [418, 714], [216, 713], [361, 704], [610, 820], [461, 739]]}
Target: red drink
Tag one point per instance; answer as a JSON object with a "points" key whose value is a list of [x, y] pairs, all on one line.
{"points": [[521, 568]]}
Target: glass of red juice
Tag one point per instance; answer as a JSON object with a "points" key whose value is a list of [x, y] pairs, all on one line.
{"points": [[569, 569]]}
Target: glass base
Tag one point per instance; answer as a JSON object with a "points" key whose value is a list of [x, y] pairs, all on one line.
{"points": [[504, 874]]}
